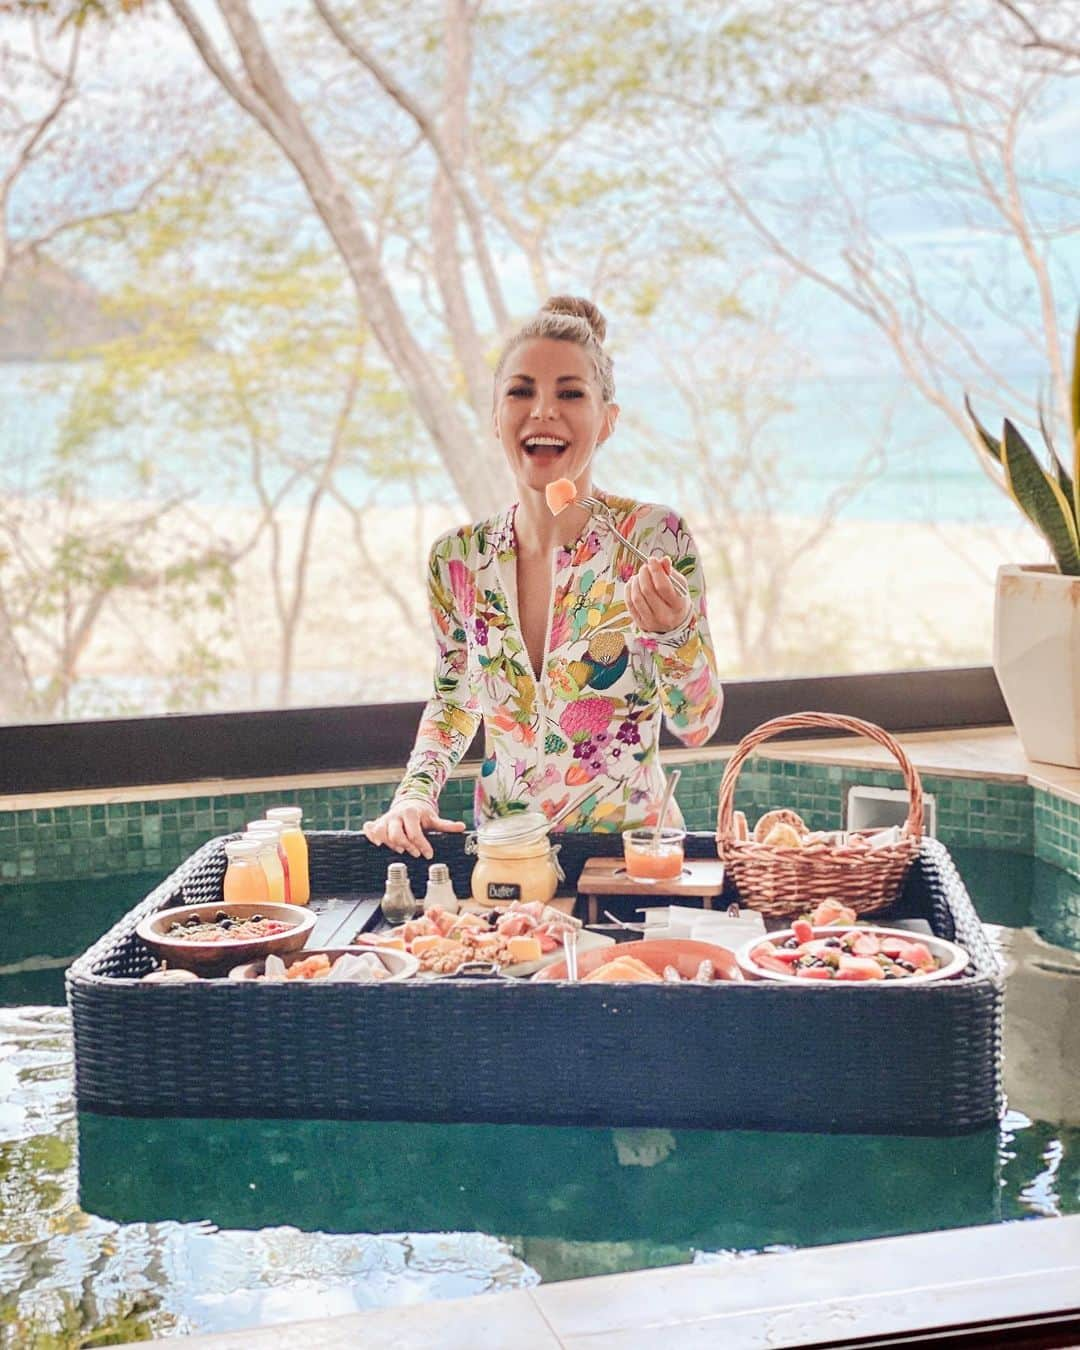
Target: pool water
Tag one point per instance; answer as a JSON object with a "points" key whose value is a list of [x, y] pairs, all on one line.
{"points": [[137, 1227]]}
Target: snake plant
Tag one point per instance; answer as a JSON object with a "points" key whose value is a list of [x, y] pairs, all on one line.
{"points": [[1048, 496]]}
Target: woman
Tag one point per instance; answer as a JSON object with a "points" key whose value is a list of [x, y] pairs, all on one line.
{"points": [[547, 630]]}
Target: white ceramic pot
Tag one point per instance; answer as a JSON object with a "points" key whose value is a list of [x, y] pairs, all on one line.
{"points": [[1037, 660]]}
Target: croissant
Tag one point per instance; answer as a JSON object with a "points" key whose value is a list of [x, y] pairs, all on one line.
{"points": [[781, 817], [783, 835]]}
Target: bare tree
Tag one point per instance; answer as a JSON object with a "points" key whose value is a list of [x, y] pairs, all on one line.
{"points": [[1056, 40], [260, 88], [43, 106], [62, 564], [731, 393], [950, 117]]}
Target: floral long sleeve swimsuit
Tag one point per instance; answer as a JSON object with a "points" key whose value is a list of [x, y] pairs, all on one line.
{"points": [[585, 736]]}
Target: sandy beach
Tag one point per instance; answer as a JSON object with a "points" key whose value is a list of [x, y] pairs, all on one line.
{"points": [[869, 596]]}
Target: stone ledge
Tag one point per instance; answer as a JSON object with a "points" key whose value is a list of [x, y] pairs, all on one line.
{"points": [[819, 1295]]}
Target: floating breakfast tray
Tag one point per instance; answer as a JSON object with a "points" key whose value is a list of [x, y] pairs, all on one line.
{"points": [[858, 1059]]}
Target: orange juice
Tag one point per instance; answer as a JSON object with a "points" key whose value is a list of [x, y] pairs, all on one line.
{"points": [[270, 863], [245, 880], [271, 829], [650, 859], [296, 850]]}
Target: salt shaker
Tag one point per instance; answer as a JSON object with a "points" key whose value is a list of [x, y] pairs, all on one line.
{"points": [[398, 902], [440, 890]]}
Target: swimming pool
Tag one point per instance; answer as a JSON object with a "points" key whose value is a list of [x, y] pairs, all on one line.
{"points": [[190, 1226]]}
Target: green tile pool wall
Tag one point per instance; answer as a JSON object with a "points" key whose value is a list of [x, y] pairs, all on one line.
{"points": [[969, 811], [1057, 830], [98, 841]]}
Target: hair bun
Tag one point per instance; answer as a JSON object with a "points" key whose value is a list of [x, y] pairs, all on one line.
{"points": [[579, 308]]}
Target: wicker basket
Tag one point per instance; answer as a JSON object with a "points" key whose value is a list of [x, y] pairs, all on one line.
{"points": [[784, 881]]}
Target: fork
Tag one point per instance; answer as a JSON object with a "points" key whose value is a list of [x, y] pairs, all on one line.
{"points": [[570, 947], [596, 507]]}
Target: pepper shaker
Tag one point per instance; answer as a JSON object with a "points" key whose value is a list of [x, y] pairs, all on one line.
{"points": [[398, 902]]}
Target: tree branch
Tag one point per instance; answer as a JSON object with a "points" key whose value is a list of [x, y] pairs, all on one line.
{"points": [[1036, 41], [400, 95]]}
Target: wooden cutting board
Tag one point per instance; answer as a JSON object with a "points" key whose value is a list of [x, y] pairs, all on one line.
{"points": [[701, 877]]}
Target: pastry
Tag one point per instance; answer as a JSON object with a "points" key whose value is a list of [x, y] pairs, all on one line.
{"points": [[783, 835], [781, 817]]}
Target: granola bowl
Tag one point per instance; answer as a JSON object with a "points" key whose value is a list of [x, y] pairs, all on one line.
{"points": [[210, 939]]}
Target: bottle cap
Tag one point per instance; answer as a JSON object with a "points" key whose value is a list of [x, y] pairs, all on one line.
{"points": [[262, 840], [397, 872], [242, 848], [437, 874], [264, 827], [288, 815]]}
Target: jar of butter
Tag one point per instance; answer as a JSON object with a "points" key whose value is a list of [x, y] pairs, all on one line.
{"points": [[515, 860]]}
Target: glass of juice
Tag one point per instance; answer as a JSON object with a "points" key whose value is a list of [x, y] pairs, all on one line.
{"points": [[649, 858]]}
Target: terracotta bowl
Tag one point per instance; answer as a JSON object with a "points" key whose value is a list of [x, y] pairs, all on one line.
{"points": [[657, 953], [953, 958], [401, 965], [218, 957]]}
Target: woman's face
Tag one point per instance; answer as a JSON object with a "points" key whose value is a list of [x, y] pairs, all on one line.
{"points": [[549, 413]]}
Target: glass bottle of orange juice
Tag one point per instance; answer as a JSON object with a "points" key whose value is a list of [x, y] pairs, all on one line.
{"points": [[296, 849], [271, 856], [245, 878]]}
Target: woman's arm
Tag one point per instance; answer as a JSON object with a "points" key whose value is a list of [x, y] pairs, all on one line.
{"points": [[677, 631], [452, 715]]}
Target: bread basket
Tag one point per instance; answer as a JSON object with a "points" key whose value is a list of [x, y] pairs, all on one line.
{"points": [[780, 881]]}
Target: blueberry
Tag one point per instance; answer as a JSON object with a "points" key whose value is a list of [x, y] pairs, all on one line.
{"points": [[832, 942], [256, 918]]}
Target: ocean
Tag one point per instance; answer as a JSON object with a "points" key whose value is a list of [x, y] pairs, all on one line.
{"points": [[927, 471]]}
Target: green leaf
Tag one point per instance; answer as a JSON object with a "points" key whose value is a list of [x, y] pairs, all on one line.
{"points": [[1064, 481], [1041, 499], [992, 444], [1074, 402], [1075, 392]]}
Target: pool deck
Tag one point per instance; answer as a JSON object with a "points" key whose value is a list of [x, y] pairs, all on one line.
{"points": [[817, 1296]]}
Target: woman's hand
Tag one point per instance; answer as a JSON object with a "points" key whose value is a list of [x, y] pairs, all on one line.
{"points": [[403, 826], [654, 603]]}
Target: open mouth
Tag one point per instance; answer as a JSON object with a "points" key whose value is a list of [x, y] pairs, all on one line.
{"points": [[544, 445]]}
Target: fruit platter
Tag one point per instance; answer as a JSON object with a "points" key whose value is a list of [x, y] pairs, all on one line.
{"points": [[857, 954]]}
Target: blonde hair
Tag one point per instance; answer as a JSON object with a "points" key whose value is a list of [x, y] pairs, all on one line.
{"points": [[568, 318]]}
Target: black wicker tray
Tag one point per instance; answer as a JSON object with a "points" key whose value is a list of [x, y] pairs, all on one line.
{"points": [[918, 1060]]}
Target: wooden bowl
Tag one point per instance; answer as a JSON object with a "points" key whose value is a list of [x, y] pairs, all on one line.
{"points": [[401, 965], [953, 958], [218, 957], [682, 953]]}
